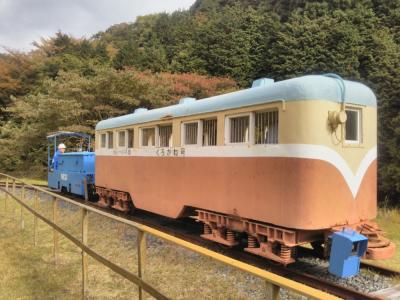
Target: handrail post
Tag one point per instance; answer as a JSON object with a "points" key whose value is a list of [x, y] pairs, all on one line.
{"points": [[85, 223], [273, 290], [6, 197], [22, 208], [55, 233], [141, 248], [35, 219], [13, 192], [13, 187]]}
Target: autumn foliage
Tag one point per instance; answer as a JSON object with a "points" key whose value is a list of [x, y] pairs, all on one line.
{"points": [[73, 83]]}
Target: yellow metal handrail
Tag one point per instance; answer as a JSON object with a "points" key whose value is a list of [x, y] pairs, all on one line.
{"points": [[272, 279]]}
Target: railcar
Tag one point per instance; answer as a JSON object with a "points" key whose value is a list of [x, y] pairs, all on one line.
{"points": [[280, 164]]}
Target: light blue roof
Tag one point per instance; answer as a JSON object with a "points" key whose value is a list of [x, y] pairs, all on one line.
{"points": [[77, 153], [311, 87]]}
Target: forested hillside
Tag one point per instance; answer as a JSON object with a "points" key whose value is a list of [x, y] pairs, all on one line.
{"points": [[214, 47]]}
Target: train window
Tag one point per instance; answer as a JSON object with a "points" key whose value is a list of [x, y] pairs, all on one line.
{"points": [[239, 129], [103, 140], [210, 132], [110, 136], [353, 129], [148, 137], [165, 136], [266, 127], [130, 138], [190, 133], [121, 138]]}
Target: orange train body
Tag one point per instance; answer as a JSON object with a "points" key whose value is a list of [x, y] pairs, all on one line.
{"points": [[283, 163], [289, 192]]}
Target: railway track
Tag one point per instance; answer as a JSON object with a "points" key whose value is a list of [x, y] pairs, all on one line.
{"points": [[364, 264], [187, 229]]}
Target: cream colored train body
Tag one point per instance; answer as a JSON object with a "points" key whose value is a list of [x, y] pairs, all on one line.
{"points": [[285, 163]]}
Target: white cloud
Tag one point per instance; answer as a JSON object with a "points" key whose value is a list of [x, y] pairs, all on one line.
{"points": [[25, 21]]}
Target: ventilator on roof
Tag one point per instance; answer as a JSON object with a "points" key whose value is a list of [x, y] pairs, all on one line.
{"points": [[187, 100], [262, 82], [140, 110]]}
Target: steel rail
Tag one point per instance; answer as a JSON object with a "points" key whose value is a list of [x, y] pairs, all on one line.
{"points": [[365, 264], [380, 269]]}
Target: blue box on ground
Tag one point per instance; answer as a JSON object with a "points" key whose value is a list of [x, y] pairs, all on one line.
{"points": [[347, 248]]}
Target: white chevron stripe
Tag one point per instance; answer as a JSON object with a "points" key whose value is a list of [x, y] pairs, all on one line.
{"points": [[306, 151]]}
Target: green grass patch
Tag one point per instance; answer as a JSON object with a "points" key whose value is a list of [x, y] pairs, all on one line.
{"points": [[388, 220], [35, 181], [32, 181], [29, 272]]}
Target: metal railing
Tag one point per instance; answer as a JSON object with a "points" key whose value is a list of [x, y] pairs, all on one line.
{"points": [[274, 282]]}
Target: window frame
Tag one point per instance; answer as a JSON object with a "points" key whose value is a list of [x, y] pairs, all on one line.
{"points": [[267, 110], [125, 139], [202, 131], [108, 139], [105, 140], [155, 136], [199, 133], [250, 140], [158, 137], [360, 136], [133, 138]]}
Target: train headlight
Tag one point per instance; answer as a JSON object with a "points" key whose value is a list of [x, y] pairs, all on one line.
{"points": [[341, 117], [336, 117]]}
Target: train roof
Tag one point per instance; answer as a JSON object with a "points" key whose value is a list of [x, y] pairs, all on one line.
{"points": [[311, 87], [67, 133]]}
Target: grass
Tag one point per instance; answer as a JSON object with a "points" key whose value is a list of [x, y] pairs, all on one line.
{"points": [[34, 181], [28, 272], [388, 220]]}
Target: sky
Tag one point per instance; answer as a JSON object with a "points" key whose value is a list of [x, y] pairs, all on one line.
{"points": [[25, 21]]}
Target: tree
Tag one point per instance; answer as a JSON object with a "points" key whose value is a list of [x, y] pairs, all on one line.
{"points": [[75, 101], [157, 59], [18, 74]]}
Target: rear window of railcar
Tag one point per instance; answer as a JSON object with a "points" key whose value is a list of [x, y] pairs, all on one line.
{"points": [[130, 138], [103, 140], [110, 135], [121, 138]]}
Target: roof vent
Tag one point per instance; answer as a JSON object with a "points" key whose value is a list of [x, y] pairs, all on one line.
{"points": [[187, 100], [140, 110], [262, 82]]}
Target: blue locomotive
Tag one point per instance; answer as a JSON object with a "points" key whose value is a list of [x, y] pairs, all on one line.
{"points": [[71, 172]]}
